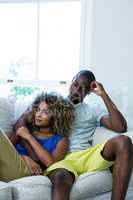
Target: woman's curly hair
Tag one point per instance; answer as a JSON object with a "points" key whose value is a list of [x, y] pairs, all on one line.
{"points": [[61, 109]]}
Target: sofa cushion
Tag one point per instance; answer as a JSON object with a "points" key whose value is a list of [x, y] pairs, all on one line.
{"points": [[96, 186], [35, 187], [91, 184], [5, 191], [107, 196], [31, 188]]}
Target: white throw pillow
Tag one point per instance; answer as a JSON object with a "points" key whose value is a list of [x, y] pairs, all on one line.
{"points": [[22, 103], [6, 114]]}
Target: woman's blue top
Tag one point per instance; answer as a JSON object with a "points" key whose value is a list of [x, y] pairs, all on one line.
{"points": [[48, 144]]}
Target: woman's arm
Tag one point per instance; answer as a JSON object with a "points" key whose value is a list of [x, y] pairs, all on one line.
{"points": [[43, 155], [34, 167], [21, 122], [30, 150]]}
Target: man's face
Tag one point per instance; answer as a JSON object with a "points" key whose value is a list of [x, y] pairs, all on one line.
{"points": [[79, 88]]}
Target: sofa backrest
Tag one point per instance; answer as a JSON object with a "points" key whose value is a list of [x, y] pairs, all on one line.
{"points": [[102, 134], [11, 109], [6, 113]]}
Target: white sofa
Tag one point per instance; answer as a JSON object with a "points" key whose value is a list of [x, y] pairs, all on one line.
{"points": [[89, 186]]}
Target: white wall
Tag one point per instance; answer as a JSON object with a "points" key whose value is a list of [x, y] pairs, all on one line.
{"points": [[112, 55]]}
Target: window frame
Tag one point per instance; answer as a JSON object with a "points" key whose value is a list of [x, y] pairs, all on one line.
{"points": [[36, 81]]}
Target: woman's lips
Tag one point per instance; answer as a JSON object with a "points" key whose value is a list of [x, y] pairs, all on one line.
{"points": [[38, 120]]}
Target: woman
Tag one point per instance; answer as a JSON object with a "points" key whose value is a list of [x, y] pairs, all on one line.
{"points": [[44, 137]]}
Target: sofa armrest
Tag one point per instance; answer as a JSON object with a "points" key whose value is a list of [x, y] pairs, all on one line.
{"points": [[102, 134]]}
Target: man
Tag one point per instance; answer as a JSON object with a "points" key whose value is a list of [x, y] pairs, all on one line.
{"points": [[117, 151]]}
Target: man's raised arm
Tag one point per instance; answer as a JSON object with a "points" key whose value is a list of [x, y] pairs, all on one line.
{"points": [[114, 120]]}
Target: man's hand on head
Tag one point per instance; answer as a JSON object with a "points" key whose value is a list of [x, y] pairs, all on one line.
{"points": [[97, 88]]}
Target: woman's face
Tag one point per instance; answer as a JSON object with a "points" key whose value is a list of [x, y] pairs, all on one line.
{"points": [[43, 115]]}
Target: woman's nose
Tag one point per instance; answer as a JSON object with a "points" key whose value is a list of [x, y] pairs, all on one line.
{"points": [[38, 113]]}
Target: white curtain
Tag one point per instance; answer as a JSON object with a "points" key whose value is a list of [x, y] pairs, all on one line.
{"points": [[86, 39]]}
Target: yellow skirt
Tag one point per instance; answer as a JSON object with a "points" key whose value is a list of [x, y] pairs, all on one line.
{"points": [[89, 160]]}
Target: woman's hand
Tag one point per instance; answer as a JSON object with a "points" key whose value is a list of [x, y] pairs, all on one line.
{"points": [[24, 133], [34, 168]]}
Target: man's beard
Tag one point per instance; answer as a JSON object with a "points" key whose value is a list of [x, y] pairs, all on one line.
{"points": [[75, 99]]}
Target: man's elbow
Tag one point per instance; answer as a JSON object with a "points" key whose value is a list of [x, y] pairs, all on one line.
{"points": [[122, 128]]}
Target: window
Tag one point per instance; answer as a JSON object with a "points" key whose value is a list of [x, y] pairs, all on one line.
{"points": [[18, 23], [39, 40]]}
